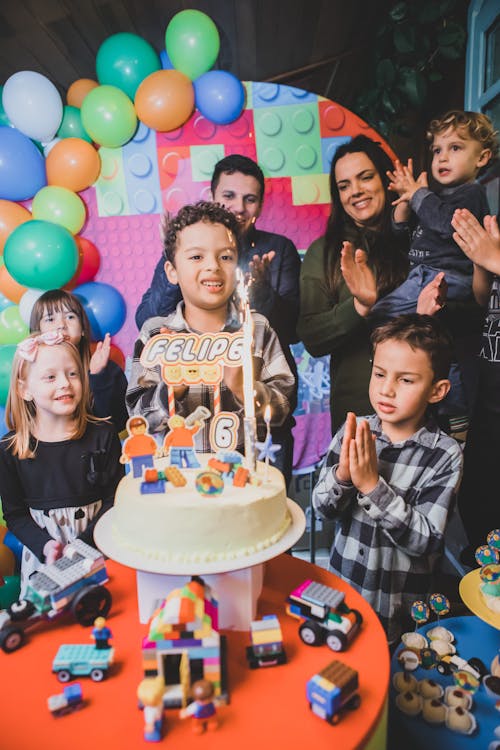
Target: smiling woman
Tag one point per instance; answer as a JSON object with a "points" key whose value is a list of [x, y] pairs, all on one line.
{"points": [[331, 321]]}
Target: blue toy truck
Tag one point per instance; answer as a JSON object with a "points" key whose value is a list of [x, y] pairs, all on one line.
{"points": [[332, 690], [74, 582], [82, 660]]}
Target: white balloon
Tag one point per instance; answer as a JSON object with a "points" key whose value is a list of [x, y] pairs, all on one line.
{"points": [[26, 304], [47, 147], [33, 105]]}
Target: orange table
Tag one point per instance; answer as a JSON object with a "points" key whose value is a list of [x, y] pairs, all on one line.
{"points": [[267, 709]]}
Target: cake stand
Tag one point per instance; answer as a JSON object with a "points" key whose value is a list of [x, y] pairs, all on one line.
{"points": [[471, 596], [237, 582]]}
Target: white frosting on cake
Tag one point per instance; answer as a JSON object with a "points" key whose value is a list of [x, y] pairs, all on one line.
{"points": [[181, 525]]}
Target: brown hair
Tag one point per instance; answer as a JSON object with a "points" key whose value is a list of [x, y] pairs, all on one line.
{"points": [[420, 332], [477, 126], [211, 213], [20, 415], [58, 300]]}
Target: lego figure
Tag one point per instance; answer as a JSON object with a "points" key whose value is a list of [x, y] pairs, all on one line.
{"points": [[150, 694], [179, 443], [140, 447], [101, 633], [202, 709]]}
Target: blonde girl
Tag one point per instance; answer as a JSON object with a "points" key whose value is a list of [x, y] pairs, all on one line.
{"points": [[59, 466], [58, 310]]}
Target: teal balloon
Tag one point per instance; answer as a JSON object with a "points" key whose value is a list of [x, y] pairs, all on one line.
{"points": [[71, 125], [13, 329], [109, 116], [124, 60], [192, 42], [41, 254], [4, 120], [6, 356]]}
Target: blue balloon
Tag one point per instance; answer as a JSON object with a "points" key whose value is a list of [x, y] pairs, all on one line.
{"points": [[22, 166], [165, 60], [15, 546], [105, 308], [219, 96], [3, 426]]}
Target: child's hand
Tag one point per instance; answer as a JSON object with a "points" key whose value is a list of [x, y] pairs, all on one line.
{"points": [[363, 459], [53, 551], [432, 298], [406, 185], [259, 267], [359, 277], [397, 178], [343, 472], [100, 357], [233, 378]]}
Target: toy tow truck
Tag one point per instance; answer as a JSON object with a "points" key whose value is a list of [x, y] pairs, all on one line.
{"points": [[74, 582], [327, 618], [332, 690], [267, 643]]}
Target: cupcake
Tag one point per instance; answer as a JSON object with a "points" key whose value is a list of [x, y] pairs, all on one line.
{"points": [[441, 634], [454, 696], [443, 648], [409, 703], [492, 686], [414, 640], [460, 720], [430, 689], [434, 711], [404, 682]]}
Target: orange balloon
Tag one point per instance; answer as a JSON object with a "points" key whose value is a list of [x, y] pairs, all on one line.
{"points": [[115, 354], [11, 216], [79, 90], [9, 286], [164, 100], [73, 163]]}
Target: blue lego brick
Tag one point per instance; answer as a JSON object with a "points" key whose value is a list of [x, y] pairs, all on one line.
{"points": [[277, 95], [140, 170], [82, 654], [328, 149], [153, 488]]}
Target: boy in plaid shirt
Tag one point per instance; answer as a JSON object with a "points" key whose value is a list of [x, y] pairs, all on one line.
{"points": [[390, 479]]}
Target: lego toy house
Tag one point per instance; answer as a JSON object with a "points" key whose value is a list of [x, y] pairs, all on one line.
{"points": [[183, 644]]}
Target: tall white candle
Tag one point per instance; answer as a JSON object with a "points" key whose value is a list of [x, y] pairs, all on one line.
{"points": [[247, 358]]}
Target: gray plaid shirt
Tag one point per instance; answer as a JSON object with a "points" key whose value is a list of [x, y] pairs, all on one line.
{"points": [[387, 542], [274, 381]]}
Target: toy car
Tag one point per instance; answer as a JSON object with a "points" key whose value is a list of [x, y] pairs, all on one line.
{"points": [[74, 582], [327, 618], [332, 690], [71, 699], [267, 643], [82, 660]]}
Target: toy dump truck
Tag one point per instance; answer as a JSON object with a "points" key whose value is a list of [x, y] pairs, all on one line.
{"points": [[333, 690], [74, 582], [326, 616]]}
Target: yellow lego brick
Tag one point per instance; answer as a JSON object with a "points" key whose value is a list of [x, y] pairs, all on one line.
{"points": [[175, 476], [266, 636]]}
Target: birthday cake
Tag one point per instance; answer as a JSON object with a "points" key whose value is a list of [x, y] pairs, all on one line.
{"points": [[201, 520]]}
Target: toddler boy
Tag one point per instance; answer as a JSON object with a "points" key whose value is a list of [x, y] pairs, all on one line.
{"points": [[390, 479], [201, 255]]}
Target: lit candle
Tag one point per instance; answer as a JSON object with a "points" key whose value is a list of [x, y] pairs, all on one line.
{"points": [[247, 364], [267, 420]]}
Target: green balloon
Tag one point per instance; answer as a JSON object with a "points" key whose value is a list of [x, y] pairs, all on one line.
{"points": [[40, 254], [61, 206], [71, 125], [13, 329], [4, 120], [124, 60], [109, 116], [192, 42], [6, 356]]}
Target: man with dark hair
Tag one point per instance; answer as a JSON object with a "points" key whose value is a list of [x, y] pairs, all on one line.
{"points": [[274, 264]]}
